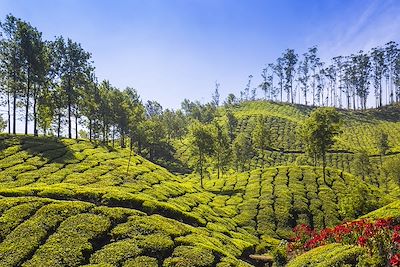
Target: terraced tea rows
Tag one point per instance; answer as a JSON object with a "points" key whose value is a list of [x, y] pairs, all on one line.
{"points": [[46, 232], [359, 132], [243, 212]]}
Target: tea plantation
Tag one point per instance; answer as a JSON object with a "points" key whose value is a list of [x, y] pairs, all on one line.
{"points": [[70, 202]]}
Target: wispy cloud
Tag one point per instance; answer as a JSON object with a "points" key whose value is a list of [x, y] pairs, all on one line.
{"points": [[372, 26]]}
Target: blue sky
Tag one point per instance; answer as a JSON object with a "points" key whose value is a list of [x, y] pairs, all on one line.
{"points": [[174, 49]]}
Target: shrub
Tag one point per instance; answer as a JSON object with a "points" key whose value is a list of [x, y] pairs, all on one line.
{"points": [[116, 252], [141, 261], [188, 256], [71, 243]]}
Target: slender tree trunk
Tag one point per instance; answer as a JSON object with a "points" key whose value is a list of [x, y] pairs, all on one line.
{"points": [[113, 136], [122, 141], [90, 130], [8, 112], [201, 169], [324, 166], [76, 125], [130, 156], [35, 131], [27, 101], [218, 164], [69, 110], [14, 112], [59, 125]]}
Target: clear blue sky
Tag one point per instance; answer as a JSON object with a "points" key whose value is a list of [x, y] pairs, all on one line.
{"points": [[174, 49]]}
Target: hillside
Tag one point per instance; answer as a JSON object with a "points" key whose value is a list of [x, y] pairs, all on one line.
{"points": [[56, 188], [82, 205], [360, 132]]}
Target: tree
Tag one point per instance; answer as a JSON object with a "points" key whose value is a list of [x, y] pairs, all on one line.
{"points": [[382, 144], [361, 164], [391, 168], [315, 63], [361, 79], [304, 69], [232, 124], [246, 94], [153, 109], [201, 145], [32, 49], [242, 150], [279, 72], [230, 101], [267, 82], [338, 65], [175, 123], [261, 136], [221, 146], [318, 132], [11, 64], [154, 138], [289, 63], [73, 66], [378, 70], [215, 96], [391, 54]]}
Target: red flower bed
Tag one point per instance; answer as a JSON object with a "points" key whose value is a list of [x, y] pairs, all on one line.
{"points": [[381, 238]]}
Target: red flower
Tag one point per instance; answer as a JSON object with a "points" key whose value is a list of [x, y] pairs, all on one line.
{"points": [[382, 223], [395, 260], [361, 241], [396, 237]]}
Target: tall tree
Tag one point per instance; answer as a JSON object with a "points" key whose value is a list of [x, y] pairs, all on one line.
{"points": [[362, 74], [391, 53], [11, 64], [319, 131], [201, 145], [31, 46], [242, 149], [216, 95], [73, 65], [378, 71], [280, 73], [383, 144], [290, 59], [315, 64], [221, 146], [260, 136], [267, 82], [339, 70], [304, 75]]}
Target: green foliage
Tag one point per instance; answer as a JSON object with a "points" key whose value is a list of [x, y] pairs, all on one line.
{"points": [[71, 242], [391, 168], [188, 256], [201, 145], [242, 150], [361, 164], [318, 132], [116, 252], [383, 143], [328, 255], [141, 261]]}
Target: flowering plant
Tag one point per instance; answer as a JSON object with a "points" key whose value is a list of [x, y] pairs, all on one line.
{"points": [[380, 238]]}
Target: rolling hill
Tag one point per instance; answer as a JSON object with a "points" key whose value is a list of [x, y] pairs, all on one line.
{"points": [[70, 202]]}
